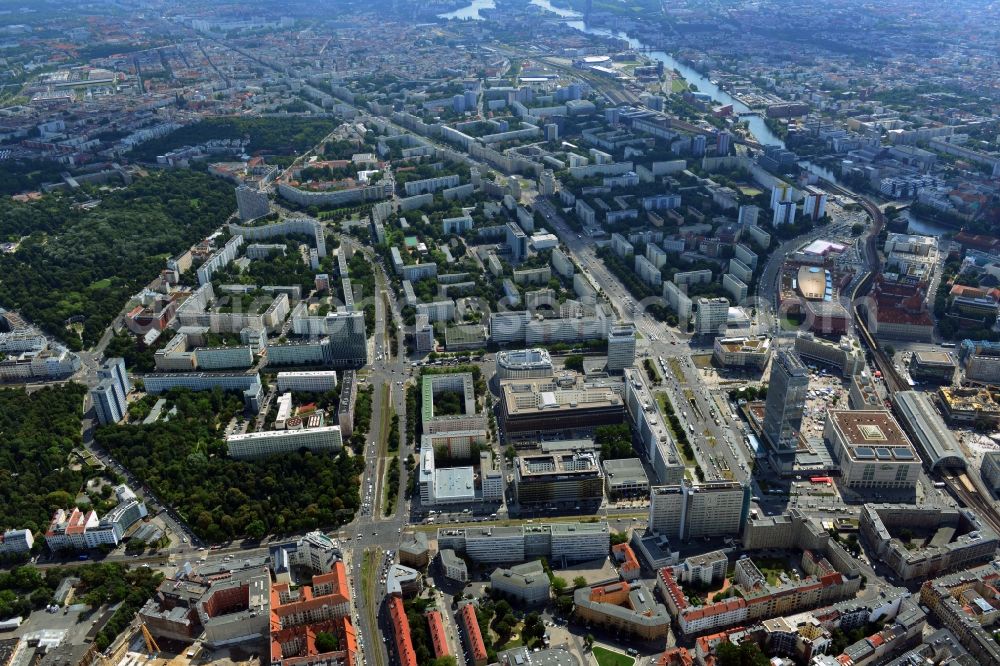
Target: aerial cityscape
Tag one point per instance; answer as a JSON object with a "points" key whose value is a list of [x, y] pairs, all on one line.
{"points": [[499, 332]]}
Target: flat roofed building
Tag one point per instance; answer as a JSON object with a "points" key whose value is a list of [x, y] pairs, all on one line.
{"points": [[625, 477], [990, 470], [569, 542], [541, 405], [937, 366], [969, 406], [308, 382], [571, 477], [621, 346], [872, 449], [272, 442], [946, 538], [695, 510], [454, 485], [742, 352], [526, 583], [523, 364]]}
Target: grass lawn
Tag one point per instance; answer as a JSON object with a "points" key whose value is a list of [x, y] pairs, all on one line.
{"points": [[678, 84], [675, 367], [607, 657]]}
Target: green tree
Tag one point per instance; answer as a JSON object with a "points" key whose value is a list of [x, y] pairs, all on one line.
{"points": [[574, 362], [558, 584], [579, 581], [326, 642]]}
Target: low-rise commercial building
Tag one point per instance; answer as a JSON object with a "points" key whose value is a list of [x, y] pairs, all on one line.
{"points": [[625, 477], [935, 366], [525, 583], [742, 352], [523, 364], [846, 354]]}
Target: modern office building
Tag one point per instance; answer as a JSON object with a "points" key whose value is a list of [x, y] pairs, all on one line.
{"points": [[846, 354], [558, 542], [786, 400], [492, 477], [696, 510], [621, 346], [742, 352], [319, 381], [526, 583], [273, 442], [711, 316], [990, 471], [625, 477], [980, 361], [871, 449], [531, 407], [565, 478], [935, 366], [315, 551], [523, 364]]}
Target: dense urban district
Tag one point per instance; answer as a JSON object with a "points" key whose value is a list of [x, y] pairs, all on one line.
{"points": [[515, 333]]}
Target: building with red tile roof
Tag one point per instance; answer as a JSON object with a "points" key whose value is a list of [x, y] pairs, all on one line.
{"points": [[677, 656], [628, 563], [439, 640], [401, 628], [299, 616], [473, 636]]}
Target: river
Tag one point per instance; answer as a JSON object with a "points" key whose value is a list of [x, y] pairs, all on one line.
{"points": [[470, 12], [759, 130]]}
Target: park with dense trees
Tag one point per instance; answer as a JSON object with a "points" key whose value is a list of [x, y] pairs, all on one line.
{"points": [[39, 431], [84, 264], [184, 461]]}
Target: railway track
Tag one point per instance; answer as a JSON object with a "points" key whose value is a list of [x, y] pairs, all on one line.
{"points": [[965, 489]]}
